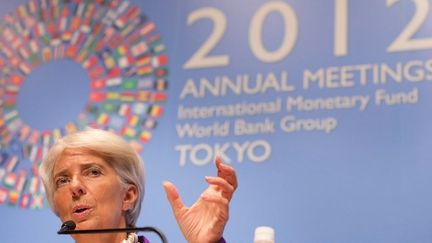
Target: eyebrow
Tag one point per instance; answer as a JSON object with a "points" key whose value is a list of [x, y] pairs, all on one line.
{"points": [[83, 166]]}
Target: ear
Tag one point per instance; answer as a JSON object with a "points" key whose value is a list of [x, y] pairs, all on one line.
{"points": [[130, 197]]}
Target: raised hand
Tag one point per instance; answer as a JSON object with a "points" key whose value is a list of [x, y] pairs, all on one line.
{"points": [[205, 220]]}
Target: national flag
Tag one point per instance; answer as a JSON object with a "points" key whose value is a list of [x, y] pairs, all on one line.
{"points": [[2, 173], [89, 41], [115, 41], [116, 122], [149, 123], [144, 70], [22, 11], [160, 60], [25, 200], [19, 186], [33, 153], [109, 62], [67, 36], [34, 137], [133, 38], [82, 55], [161, 72], [70, 128], [155, 110], [90, 62], [136, 146], [56, 134], [147, 28], [90, 10], [13, 197], [97, 97], [143, 95], [38, 201], [5, 50], [113, 82], [85, 27], [158, 97], [3, 194], [24, 52], [11, 163], [11, 115], [98, 84], [153, 40], [63, 23], [109, 32], [143, 60], [115, 72], [33, 186], [158, 48], [14, 61], [139, 108], [46, 54], [145, 83], [129, 83], [113, 96], [123, 7], [97, 28], [121, 21], [129, 28], [125, 61], [103, 119], [79, 10], [16, 79], [39, 29], [128, 132], [77, 38], [32, 5], [132, 120], [124, 110], [127, 97], [24, 133], [96, 72], [139, 49], [46, 138], [145, 136], [51, 27], [34, 46], [25, 68], [10, 180], [59, 51], [109, 107]]}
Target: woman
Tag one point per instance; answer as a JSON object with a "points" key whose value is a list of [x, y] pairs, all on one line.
{"points": [[96, 179]]}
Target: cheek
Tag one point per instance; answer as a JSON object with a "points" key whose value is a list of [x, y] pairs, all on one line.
{"points": [[110, 195], [60, 203]]}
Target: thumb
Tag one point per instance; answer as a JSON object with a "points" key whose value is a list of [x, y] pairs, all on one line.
{"points": [[173, 197]]}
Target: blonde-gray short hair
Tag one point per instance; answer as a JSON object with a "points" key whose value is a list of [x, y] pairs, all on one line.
{"points": [[113, 149]]}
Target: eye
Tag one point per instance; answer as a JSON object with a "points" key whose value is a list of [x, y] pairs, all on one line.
{"points": [[60, 181], [94, 172]]}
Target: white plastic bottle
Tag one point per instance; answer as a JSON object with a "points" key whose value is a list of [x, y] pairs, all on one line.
{"points": [[264, 234]]}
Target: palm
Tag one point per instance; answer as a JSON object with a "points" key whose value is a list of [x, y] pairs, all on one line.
{"points": [[205, 220]]}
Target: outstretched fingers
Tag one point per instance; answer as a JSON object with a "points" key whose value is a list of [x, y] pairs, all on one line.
{"points": [[228, 174], [173, 197]]}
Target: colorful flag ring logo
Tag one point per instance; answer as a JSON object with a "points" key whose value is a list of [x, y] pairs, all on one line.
{"points": [[127, 65]]}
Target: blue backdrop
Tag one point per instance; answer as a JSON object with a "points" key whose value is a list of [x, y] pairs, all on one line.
{"points": [[322, 107]]}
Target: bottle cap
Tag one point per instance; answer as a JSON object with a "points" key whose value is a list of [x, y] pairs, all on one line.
{"points": [[264, 233]]}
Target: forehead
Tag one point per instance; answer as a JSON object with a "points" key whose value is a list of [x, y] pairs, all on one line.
{"points": [[77, 156]]}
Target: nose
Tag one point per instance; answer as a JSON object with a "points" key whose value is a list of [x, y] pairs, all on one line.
{"points": [[77, 187]]}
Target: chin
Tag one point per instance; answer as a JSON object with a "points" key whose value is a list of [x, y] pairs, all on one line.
{"points": [[87, 224]]}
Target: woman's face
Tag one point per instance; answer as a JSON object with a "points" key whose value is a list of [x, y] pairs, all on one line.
{"points": [[88, 191]]}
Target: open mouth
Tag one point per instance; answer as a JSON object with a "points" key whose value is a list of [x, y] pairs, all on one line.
{"points": [[81, 211]]}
